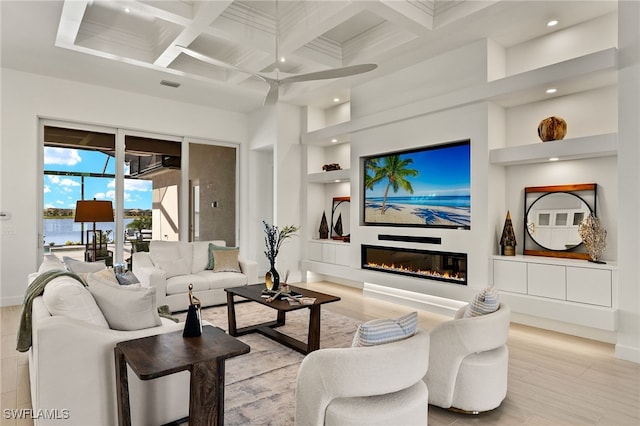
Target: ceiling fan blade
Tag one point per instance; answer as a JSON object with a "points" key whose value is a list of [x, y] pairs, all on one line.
{"points": [[216, 62], [272, 95], [332, 73]]}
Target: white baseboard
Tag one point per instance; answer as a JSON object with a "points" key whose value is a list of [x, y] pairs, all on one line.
{"points": [[11, 301], [628, 353]]}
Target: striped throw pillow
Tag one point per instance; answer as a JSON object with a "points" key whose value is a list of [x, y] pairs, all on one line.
{"points": [[483, 303], [380, 331]]}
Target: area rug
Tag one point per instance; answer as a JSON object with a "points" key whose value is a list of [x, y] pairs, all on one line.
{"points": [[260, 386]]}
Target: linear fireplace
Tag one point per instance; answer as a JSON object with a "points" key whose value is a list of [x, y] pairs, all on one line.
{"points": [[435, 265]]}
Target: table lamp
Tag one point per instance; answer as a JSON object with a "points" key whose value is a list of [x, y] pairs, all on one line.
{"points": [[93, 211]]}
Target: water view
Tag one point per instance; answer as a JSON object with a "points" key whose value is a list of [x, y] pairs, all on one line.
{"points": [[61, 231]]}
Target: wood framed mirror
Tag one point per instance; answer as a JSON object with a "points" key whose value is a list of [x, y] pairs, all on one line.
{"points": [[552, 215], [340, 215]]}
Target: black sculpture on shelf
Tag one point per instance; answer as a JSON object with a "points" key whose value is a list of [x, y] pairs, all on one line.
{"points": [[324, 227]]}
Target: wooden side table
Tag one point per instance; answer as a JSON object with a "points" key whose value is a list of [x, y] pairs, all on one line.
{"points": [[163, 354]]}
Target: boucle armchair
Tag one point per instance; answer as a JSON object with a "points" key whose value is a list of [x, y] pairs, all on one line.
{"points": [[468, 361], [373, 385]]}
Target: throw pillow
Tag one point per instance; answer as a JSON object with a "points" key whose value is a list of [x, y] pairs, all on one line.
{"points": [[483, 303], [380, 331], [105, 275], [212, 248], [171, 257], [65, 296], [80, 267], [125, 307], [226, 260], [50, 263]]}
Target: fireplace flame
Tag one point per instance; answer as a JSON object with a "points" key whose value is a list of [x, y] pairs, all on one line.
{"points": [[407, 270]]}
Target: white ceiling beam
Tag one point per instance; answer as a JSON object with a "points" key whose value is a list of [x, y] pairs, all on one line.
{"points": [[299, 30], [70, 21], [414, 16], [205, 14]]}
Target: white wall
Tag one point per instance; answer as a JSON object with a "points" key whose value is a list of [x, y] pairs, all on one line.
{"points": [[418, 132], [28, 97]]}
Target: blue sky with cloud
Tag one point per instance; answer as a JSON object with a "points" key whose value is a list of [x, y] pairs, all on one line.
{"points": [[64, 191]]}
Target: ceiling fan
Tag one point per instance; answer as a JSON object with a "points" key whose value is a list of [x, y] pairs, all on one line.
{"points": [[275, 83]]}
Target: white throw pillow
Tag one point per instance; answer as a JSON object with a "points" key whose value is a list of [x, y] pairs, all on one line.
{"points": [[80, 267], [380, 331], [67, 297], [51, 263], [483, 303], [125, 307], [172, 257]]}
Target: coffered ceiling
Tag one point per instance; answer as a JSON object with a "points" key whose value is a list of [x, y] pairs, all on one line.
{"points": [[132, 45]]}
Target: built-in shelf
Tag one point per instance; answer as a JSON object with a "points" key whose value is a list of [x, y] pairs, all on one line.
{"points": [[333, 176], [587, 72], [605, 145]]}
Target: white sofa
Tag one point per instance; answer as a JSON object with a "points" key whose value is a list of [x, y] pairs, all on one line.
{"points": [[72, 370], [170, 266]]}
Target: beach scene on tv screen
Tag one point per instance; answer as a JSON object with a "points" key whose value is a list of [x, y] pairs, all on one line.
{"points": [[425, 187]]}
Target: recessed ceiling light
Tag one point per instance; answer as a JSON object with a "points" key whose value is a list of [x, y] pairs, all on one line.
{"points": [[552, 23], [283, 59], [336, 99], [551, 90], [553, 159], [334, 140], [127, 10]]}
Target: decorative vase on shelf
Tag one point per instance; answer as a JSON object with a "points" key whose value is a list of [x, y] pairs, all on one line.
{"points": [[552, 129]]}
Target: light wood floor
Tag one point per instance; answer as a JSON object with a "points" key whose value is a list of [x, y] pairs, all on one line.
{"points": [[554, 379]]}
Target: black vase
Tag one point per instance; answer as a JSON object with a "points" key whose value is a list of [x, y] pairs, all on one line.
{"points": [[275, 277], [193, 325]]}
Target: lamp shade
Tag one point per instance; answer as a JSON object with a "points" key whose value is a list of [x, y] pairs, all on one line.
{"points": [[93, 211]]}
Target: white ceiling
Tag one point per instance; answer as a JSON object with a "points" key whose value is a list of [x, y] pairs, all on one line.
{"points": [[131, 45]]}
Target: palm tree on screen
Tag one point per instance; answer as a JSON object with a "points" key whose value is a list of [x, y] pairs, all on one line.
{"points": [[395, 170]]}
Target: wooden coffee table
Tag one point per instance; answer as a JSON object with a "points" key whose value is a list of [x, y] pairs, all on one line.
{"points": [[254, 293], [163, 354]]}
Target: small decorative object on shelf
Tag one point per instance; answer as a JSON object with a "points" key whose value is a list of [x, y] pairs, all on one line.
{"points": [[552, 129], [508, 239], [324, 227], [330, 167], [274, 237], [193, 323], [594, 237]]}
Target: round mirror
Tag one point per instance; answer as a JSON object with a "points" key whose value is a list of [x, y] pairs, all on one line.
{"points": [[553, 220]]}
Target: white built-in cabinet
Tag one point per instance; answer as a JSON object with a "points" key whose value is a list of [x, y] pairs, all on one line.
{"points": [[570, 290]]}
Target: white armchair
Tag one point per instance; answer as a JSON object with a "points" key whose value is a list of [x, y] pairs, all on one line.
{"points": [[468, 361], [373, 385]]}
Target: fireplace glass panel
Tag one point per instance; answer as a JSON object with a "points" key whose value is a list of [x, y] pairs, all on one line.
{"points": [[437, 265]]}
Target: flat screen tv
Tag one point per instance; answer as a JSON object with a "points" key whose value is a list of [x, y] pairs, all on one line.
{"points": [[424, 187]]}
